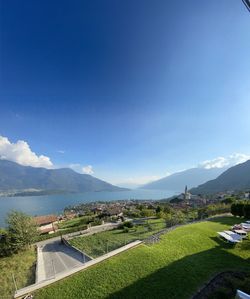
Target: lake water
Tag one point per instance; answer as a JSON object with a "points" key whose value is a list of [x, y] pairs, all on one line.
{"points": [[48, 204]]}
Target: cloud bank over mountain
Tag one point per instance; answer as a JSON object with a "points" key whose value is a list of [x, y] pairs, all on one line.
{"points": [[21, 153], [88, 169], [221, 162]]}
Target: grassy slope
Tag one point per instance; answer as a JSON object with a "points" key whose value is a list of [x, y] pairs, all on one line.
{"points": [[22, 266], [96, 245], [174, 268], [74, 222]]}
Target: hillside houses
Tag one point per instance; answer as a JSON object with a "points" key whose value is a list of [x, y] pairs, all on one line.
{"points": [[46, 224]]}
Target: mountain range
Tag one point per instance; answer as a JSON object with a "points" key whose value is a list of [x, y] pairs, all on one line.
{"points": [[235, 178], [26, 180], [190, 177], [16, 179]]}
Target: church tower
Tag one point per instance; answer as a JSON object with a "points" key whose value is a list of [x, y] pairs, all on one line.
{"points": [[186, 195]]}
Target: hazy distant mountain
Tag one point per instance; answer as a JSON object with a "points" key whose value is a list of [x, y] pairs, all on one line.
{"points": [[190, 177], [17, 177], [233, 179]]}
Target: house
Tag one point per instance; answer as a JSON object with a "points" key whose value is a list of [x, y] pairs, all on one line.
{"points": [[70, 215], [113, 211], [46, 224]]}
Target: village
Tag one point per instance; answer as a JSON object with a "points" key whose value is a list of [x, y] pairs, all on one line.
{"points": [[96, 213]]}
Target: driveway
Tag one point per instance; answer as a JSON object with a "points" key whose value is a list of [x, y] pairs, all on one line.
{"points": [[55, 257]]}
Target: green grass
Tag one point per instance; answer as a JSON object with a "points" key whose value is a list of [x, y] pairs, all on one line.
{"points": [[75, 222], [98, 244], [174, 268], [22, 265]]}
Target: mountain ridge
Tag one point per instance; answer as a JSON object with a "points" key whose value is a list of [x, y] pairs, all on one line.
{"points": [[191, 177], [14, 176], [235, 178]]}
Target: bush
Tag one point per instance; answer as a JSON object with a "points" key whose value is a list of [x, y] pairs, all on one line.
{"points": [[128, 224]]}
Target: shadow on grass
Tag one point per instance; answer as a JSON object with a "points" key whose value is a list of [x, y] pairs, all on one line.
{"points": [[227, 220], [31, 278], [222, 243], [182, 278]]}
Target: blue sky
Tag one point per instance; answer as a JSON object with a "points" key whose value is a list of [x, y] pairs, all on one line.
{"points": [[134, 89]]}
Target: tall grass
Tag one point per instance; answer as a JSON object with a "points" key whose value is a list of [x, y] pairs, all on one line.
{"points": [[22, 266]]}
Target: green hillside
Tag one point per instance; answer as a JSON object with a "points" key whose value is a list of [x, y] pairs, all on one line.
{"points": [[236, 178], [174, 268]]}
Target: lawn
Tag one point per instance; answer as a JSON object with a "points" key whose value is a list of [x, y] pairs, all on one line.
{"points": [[22, 265], [98, 244], [174, 268], [75, 222]]}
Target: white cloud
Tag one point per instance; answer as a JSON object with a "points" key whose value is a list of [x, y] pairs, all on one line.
{"points": [[74, 166], [221, 162], [88, 169], [21, 153], [61, 152]]}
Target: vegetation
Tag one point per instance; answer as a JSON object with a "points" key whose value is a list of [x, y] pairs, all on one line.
{"points": [[60, 233], [234, 178], [21, 232], [241, 208], [128, 224], [22, 266], [98, 244], [174, 268], [226, 287], [79, 222]]}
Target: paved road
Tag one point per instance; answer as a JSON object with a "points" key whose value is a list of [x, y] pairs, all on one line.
{"points": [[55, 258]]}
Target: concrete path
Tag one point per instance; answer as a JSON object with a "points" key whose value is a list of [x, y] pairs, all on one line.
{"points": [[55, 257], [38, 285]]}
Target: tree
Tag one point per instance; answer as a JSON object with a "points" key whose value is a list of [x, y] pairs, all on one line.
{"points": [[192, 215], [247, 210], [169, 220], [160, 214], [238, 208], [228, 200], [22, 230], [234, 209], [158, 209], [179, 217], [147, 213], [167, 208], [202, 213]]}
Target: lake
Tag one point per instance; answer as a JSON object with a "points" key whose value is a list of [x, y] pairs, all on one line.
{"points": [[48, 204]]}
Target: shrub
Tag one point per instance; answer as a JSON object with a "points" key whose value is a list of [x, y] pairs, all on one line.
{"points": [[128, 224]]}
